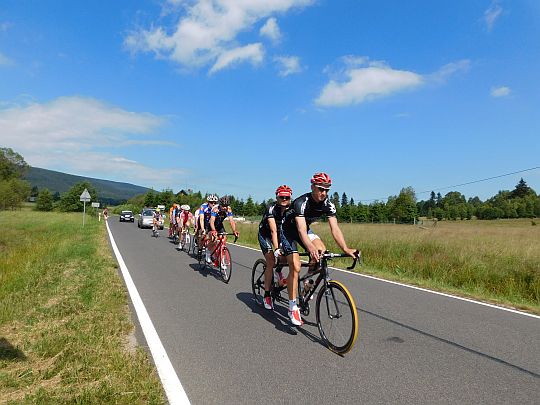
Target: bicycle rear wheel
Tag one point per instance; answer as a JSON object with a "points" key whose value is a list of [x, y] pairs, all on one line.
{"points": [[337, 317], [182, 241], [225, 264], [257, 281]]}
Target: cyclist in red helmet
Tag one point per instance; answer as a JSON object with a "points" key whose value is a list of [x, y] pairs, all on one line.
{"points": [[305, 210], [269, 229]]}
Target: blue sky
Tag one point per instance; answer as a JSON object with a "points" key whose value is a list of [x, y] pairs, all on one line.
{"points": [[240, 96]]}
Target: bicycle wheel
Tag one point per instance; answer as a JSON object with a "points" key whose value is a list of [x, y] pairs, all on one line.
{"points": [[257, 281], [182, 241], [191, 244], [225, 264], [187, 242], [337, 318]]}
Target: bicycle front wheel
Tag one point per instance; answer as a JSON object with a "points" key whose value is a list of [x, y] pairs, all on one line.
{"points": [[225, 265], [337, 317], [257, 281]]}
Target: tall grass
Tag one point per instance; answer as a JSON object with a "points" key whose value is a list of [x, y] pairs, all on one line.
{"points": [[493, 260], [64, 321]]}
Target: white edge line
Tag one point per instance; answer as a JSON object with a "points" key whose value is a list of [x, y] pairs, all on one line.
{"points": [[171, 384], [422, 289]]}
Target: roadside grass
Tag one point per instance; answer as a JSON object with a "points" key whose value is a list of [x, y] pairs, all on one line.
{"points": [[65, 331], [495, 261]]}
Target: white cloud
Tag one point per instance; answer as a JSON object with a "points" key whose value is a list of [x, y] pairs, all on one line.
{"points": [[363, 80], [501, 91], [206, 30], [253, 53], [271, 30], [365, 83], [5, 61], [288, 65], [78, 135], [492, 14], [449, 69]]}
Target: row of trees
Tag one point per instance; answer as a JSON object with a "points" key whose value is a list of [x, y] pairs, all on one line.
{"points": [[522, 202], [13, 190]]}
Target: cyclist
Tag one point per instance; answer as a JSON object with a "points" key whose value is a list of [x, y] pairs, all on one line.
{"points": [[215, 225], [269, 229], [204, 217], [156, 220], [295, 230], [171, 220], [185, 218]]}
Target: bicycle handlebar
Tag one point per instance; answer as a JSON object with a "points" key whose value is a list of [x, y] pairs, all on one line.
{"points": [[227, 233], [330, 255]]}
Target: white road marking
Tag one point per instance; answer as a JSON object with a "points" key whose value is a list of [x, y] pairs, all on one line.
{"points": [[171, 384], [515, 311]]}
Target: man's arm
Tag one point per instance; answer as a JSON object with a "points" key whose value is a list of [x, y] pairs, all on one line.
{"points": [[338, 237], [302, 231], [273, 231]]}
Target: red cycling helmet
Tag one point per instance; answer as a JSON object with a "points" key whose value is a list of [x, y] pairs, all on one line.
{"points": [[322, 180], [283, 191]]}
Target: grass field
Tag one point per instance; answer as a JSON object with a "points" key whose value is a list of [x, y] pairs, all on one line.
{"points": [[496, 261], [65, 330]]}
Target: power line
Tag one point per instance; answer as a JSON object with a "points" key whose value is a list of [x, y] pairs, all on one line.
{"points": [[462, 184]]}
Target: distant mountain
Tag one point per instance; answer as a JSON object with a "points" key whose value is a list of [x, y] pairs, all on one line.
{"points": [[110, 192]]}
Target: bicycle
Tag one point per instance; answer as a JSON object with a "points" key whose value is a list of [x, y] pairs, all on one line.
{"points": [[335, 309], [155, 231], [185, 239], [221, 257]]}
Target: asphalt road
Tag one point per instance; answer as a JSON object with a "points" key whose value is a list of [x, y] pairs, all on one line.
{"points": [[413, 346]]}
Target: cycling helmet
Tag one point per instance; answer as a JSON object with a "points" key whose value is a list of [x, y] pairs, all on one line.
{"points": [[224, 201], [321, 180], [212, 198], [157, 209], [283, 191], [185, 207]]}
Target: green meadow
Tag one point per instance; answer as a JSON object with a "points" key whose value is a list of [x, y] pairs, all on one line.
{"points": [[65, 331]]}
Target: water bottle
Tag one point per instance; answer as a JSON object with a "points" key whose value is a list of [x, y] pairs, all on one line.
{"points": [[308, 285]]}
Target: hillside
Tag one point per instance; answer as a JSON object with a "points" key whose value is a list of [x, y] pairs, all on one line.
{"points": [[110, 192]]}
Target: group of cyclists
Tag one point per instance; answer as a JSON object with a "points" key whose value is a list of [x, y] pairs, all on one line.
{"points": [[285, 225]]}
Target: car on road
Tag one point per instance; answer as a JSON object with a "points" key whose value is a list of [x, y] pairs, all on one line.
{"points": [[127, 216], [146, 218]]}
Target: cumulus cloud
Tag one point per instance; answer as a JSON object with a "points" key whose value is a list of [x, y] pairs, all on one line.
{"points": [[207, 31], [253, 53], [79, 135], [288, 65], [492, 14], [271, 30], [501, 91], [376, 79], [362, 80]]}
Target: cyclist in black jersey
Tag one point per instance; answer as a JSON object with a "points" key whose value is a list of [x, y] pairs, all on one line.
{"points": [[305, 210], [269, 229]]}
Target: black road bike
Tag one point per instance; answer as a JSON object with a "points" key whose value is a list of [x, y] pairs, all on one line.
{"points": [[335, 309]]}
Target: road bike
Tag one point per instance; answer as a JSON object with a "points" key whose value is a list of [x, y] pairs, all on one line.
{"points": [[185, 239], [220, 256], [335, 309], [155, 230]]}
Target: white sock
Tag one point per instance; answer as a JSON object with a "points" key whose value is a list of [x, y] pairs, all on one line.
{"points": [[292, 305]]}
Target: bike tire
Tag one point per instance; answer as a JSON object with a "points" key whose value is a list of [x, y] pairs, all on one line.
{"points": [[225, 265], [338, 333], [257, 281]]}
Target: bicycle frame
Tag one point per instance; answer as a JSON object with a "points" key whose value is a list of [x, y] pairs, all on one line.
{"points": [[221, 242]]}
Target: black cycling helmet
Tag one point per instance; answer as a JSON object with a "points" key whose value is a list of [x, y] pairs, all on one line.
{"points": [[225, 201]]}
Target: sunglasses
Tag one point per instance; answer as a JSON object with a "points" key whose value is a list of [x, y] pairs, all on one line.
{"points": [[284, 197], [321, 189]]}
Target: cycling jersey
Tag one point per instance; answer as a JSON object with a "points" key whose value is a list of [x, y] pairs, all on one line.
{"points": [[219, 216], [184, 217], [304, 206], [272, 211]]}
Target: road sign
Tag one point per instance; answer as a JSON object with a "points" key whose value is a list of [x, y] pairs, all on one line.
{"points": [[95, 205], [85, 196]]}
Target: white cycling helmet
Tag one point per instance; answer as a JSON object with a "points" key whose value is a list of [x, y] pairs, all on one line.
{"points": [[212, 198], [185, 207]]}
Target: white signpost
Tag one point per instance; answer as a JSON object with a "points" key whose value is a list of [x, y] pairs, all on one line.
{"points": [[85, 197]]}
